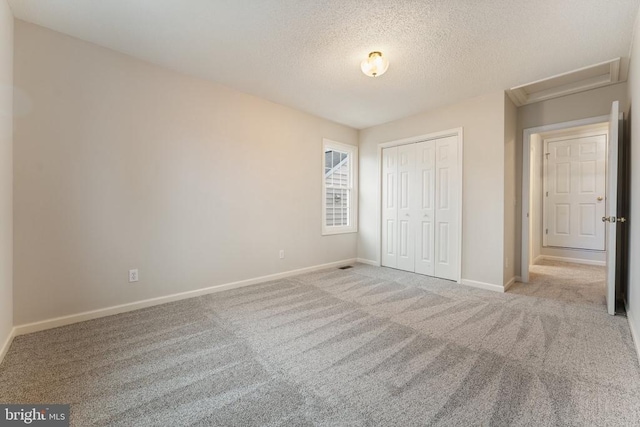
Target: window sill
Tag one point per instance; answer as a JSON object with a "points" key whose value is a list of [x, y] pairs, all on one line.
{"points": [[330, 232]]}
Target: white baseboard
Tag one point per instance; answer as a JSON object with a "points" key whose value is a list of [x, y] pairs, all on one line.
{"points": [[7, 343], [123, 308], [573, 260], [483, 285], [634, 333], [368, 261], [509, 284]]}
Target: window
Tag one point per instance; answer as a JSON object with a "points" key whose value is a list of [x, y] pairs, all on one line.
{"points": [[339, 184]]}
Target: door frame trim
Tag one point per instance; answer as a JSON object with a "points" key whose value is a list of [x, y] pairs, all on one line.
{"points": [[413, 140], [526, 180]]}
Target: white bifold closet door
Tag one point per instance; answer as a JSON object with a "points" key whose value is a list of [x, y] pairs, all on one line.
{"points": [[389, 256], [420, 208], [406, 207], [425, 195]]}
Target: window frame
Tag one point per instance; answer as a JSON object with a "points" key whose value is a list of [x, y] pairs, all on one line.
{"points": [[352, 152]]}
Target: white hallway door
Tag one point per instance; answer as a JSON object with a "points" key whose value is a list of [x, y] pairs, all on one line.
{"points": [[420, 207], [615, 255], [575, 192]]}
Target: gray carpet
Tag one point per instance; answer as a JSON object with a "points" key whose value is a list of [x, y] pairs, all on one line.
{"points": [[365, 346], [575, 283]]}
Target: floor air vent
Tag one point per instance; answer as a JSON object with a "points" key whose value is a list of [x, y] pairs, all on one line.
{"points": [[346, 267]]}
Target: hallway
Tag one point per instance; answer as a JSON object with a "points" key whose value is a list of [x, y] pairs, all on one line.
{"points": [[567, 282]]}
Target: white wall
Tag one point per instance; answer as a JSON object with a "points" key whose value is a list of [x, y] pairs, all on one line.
{"points": [[510, 123], [592, 103], [483, 183], [120, 164], [633, 296], [6, 174]]}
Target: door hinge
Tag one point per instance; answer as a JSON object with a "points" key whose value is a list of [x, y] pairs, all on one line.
{"points": [[546, 155], [547, 194], [546, 231]]}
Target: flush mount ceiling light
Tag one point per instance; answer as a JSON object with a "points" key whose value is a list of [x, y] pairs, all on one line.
{"points": [[375, 65]]}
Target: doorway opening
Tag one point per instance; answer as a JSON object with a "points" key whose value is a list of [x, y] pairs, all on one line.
{"points": [[570, 202], [568, 194]]}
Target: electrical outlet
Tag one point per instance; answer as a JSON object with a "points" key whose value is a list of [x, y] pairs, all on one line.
{"points": [[281, 253], [133, 275]]}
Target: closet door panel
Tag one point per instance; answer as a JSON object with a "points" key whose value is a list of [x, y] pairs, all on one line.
{"points": [[389, 256], [447, 208], [406, 216], [424, 195]]}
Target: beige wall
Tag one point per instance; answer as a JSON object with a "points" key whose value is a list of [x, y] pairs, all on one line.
{"points": [[121, 164], [510, 122], [483, 184], [593, 103], [6, 173], [633, 296]]}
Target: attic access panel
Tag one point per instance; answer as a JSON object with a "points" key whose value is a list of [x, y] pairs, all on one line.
{"points": [[587, 78]]}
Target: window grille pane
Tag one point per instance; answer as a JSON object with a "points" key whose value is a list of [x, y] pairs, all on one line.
{"points": [[345, 206], [338, 200], [334, 171], [337, 206], [337, 219], [329, 209], [337, 169], [344, 174]]}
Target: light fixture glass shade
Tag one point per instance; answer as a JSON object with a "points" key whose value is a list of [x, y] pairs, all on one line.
{"points": [[375, 65]]}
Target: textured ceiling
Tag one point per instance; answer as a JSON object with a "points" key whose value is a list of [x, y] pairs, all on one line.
{"points": [[306, 54]]}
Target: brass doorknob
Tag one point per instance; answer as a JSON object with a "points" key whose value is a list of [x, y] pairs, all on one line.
{"points": [[600, 198]]}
